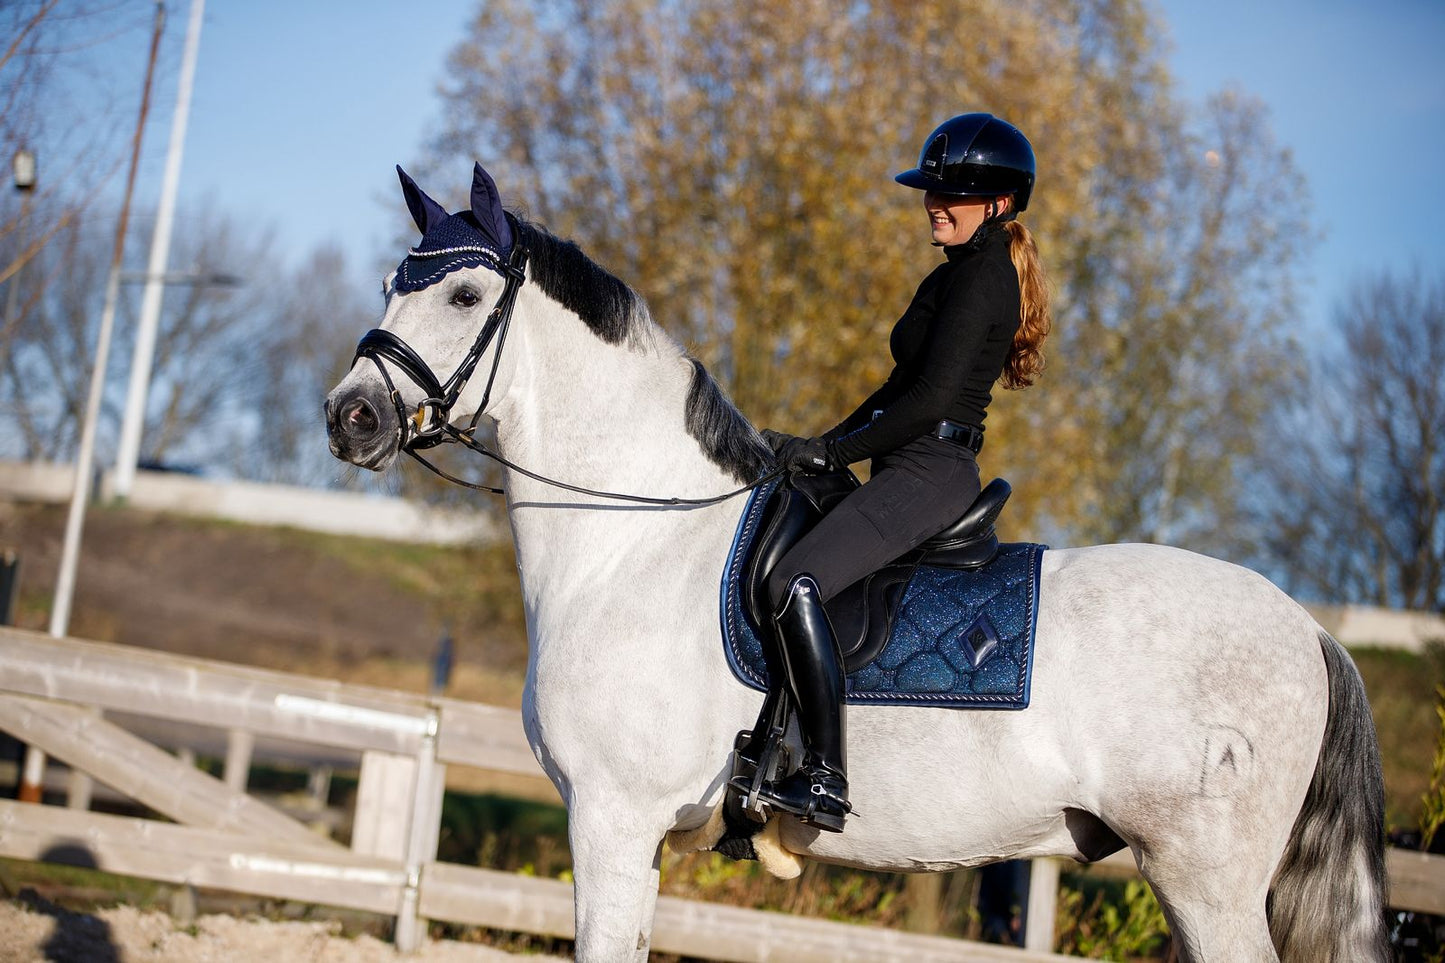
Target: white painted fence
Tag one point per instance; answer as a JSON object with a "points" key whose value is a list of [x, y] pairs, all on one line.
{"points": [[223, 838]]}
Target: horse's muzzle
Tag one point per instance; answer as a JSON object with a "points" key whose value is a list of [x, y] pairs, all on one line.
{"points": [[360, 430]]}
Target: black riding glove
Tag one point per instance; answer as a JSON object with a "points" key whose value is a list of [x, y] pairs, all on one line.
{"points": [[805, 454], [777, 439]]}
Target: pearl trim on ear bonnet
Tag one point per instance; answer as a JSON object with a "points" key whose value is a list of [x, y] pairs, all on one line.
{"points": [[480, 237]]}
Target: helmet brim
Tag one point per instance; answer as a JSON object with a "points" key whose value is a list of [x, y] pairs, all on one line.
{"points": [[928, 182], [923, 182]]}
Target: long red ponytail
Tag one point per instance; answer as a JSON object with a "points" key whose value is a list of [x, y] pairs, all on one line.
{"points": [[1025, 357]]}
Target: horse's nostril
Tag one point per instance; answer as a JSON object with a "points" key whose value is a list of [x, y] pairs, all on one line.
{"points": [[358, 417]]}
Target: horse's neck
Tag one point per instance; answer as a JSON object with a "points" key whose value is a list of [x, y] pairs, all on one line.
{"points": [[607, 417]]}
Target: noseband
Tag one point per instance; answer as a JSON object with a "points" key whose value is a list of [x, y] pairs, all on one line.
{"points": [[426, 428]]}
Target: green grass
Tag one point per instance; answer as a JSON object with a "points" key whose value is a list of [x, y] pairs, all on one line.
{"points": [[463, 583], [1401, 686], [82, 888]]}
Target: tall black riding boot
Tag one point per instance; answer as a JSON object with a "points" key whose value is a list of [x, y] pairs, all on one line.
{"points": [[818, 792]]}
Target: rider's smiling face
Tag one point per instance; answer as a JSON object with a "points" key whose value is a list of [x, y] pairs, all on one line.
{"points": [[952, 219]]}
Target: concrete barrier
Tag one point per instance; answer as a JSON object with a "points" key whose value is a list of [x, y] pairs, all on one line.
{"points": [[1362, 625], [36, 481], [396, 519], [312, 509]]}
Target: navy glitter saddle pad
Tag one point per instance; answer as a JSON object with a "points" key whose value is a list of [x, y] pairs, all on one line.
{"points": [[960, 638]]}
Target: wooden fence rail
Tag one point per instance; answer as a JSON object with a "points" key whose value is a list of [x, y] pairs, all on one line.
{"points": [[51, 689]]}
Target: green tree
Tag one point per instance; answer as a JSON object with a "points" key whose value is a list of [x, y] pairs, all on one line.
{"points": [[733, 161]]}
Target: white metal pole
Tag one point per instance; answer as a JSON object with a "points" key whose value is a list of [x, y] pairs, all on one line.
{"points": [[84, 465], [133, 422]]}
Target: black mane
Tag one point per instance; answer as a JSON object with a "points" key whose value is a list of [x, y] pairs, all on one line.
{"points": [[611, 309], [616, 313]]}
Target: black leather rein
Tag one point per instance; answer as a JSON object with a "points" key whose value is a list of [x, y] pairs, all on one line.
{"points": [[431, 424]]}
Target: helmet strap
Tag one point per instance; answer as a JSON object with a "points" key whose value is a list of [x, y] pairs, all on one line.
{"points": [[994, 216], [991, 216]]}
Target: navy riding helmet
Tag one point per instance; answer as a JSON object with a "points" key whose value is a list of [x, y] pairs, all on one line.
{"points": [[975, 154]]}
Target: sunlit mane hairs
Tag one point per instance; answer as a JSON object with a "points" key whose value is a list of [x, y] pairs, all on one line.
{"points": [[616, 314]]}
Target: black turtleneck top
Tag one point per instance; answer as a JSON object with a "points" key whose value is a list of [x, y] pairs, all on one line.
{"points": [[949, 348]]}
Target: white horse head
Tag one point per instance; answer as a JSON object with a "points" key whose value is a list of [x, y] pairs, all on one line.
{"points": [[492, 317], [438, 301]]}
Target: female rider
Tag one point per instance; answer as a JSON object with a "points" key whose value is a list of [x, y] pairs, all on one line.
{"points": [[979, 317]]}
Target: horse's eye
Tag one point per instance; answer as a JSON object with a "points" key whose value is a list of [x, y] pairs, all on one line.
{"points": [[465, 298]]}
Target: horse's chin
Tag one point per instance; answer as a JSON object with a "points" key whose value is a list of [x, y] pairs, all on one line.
{"points": [[377, 458], [380, 462]]}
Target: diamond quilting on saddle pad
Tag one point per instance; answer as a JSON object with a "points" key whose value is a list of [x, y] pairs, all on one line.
{"points": [[961, 639]]}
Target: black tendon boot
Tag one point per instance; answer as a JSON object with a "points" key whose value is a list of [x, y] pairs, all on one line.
{"points": [[818, 792]]}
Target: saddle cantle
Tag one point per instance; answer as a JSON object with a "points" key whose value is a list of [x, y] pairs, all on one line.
{"points": [[862, 614]]}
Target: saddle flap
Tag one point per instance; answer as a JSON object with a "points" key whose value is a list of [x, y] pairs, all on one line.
{"points": [[955, 638], [793, 508], [862, 615]]}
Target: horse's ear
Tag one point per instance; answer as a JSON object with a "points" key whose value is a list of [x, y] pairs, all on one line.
{"points": [[426, 212], [487, 209]]}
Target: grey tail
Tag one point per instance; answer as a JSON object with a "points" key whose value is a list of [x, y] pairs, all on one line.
{"points": [[1328, 899]]}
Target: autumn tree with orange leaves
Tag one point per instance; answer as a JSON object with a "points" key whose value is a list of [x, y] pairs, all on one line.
{"points": [[733, 161]]}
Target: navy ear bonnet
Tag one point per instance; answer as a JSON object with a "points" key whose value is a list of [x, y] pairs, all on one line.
{"points": [[480, 237]]}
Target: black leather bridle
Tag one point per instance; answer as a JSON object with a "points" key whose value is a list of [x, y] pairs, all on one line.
{"points": [[426, 428], [431, 424]]}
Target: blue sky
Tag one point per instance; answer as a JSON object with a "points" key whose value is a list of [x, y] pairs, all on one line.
{"points": [[1357, 92], [301, 110]]}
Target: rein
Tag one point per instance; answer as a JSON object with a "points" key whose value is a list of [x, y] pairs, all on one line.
{"points": [[431, 424]]}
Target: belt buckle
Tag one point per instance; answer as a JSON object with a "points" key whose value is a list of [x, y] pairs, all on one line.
{"points": [[966, 435]]}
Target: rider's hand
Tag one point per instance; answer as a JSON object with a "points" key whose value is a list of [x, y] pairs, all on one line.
{"points": [[805, 454], [777, 439]]}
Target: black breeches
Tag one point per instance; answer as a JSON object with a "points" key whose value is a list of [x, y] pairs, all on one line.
{"points": [[915, 492]]}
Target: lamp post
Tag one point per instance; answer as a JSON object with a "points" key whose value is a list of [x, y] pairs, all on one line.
{"points": [[34, 770], [22, 165]]}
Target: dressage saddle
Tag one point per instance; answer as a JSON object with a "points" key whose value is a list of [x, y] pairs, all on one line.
{"points": [[862, 615]]}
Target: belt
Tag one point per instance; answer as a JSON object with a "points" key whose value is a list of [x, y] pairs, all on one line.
{"points": [[966, 436]]}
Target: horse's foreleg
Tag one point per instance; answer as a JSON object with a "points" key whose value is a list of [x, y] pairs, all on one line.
{"points": [[615, 866]]}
